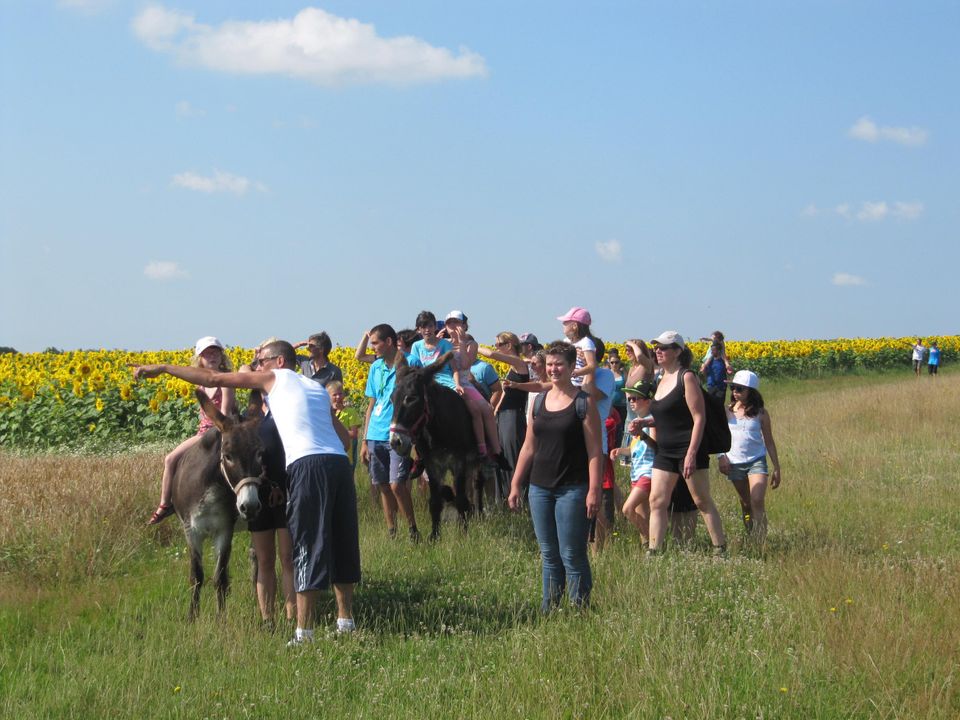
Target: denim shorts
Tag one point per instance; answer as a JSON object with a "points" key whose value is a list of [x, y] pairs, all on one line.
{"points": [[386, 464], [740, 471]]}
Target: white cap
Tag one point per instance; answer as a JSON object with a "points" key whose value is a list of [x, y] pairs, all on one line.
{"points": [[456, 315], [669, 337], [746, 378], [205, 342]]}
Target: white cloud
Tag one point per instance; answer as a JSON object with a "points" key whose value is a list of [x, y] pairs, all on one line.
{"points": [[872, 211], [907, 210], [164, 270], [314, 45], [609, 250], [842, 279], [867, 130], [810, 210], [219, 182], [185, 109]]}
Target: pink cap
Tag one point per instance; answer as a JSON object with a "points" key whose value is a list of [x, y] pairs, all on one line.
{"points": [[576, 314]]}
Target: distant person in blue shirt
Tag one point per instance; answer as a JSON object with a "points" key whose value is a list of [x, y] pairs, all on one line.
{"points": [[933, 358], [714, 369]]}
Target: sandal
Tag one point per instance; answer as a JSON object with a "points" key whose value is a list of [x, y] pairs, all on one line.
{"points": [[163, 511]]}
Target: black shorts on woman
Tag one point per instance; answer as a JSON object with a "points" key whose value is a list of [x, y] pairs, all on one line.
{"points": [[674, 425]]}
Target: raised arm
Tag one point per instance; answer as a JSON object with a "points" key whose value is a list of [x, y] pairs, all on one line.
{"points": [[361, 354], [514, 361], [208, 378]]}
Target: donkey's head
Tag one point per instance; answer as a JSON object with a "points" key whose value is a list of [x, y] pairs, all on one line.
{"points": [[241, 451], [411, 403]]}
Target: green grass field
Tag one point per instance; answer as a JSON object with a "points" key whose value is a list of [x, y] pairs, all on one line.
{"points": [[851, 611]]}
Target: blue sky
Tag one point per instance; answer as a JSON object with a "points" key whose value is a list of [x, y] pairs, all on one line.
{"points": [[247, 169]]}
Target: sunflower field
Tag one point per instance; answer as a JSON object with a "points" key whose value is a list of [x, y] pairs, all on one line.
{"points": [[88, 399]]}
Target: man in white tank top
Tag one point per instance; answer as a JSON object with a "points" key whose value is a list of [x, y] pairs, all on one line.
{"points": [[322, 502]]}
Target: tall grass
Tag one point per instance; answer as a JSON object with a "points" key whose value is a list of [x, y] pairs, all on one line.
{"points": [[851, 610]]}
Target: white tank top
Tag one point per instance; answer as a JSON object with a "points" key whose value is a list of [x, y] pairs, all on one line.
{"points": [[746, 439], [301, 409]]}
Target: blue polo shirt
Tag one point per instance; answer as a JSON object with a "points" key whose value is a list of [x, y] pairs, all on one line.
{"points": [[381, 382]]}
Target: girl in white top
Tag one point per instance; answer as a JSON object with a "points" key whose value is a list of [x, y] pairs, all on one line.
{"points": [[576, 329], [751, 441]]}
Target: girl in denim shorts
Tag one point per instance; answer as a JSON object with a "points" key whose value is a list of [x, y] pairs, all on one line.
{"points": [[751, 441]]}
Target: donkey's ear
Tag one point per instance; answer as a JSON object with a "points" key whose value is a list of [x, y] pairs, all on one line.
{"points": [[403, 367], [212, 411], [255, 405], [441, 363]]}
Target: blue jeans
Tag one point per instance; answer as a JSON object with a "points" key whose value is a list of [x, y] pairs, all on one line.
{"points": [[560, 522]]}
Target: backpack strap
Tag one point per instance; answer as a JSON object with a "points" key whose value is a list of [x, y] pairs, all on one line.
{"points": [[580, 402], [538, 403]]}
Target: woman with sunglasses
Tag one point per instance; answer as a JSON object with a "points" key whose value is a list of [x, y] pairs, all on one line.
{"points": [[679, 417], [511, 411], [745, 464]]}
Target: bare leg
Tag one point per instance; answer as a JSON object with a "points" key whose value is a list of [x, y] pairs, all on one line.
{"points": [[699, 485], [661, 489], [743, 493], [306, 604], [402, 500], [477, 418], [637, 511], [343, 592], [490, 428], [265, 548], [389, 504], [170, 463], [758, 493], [286, 572]]}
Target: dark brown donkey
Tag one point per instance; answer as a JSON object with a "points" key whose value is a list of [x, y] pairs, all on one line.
{"points": [[435, 420], [217, 481]]}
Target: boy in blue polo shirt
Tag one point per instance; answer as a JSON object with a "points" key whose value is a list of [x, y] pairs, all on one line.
{"points": [[389, 471]]}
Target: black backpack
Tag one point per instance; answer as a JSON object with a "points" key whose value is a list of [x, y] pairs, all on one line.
{"points": [[716, 431]]}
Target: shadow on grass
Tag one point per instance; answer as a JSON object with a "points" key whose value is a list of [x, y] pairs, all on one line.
{"points": [[429, 605]]}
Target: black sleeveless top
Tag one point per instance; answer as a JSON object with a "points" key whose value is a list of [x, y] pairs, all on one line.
{"points": [[514, 399], [561, 457], [673, 421]]}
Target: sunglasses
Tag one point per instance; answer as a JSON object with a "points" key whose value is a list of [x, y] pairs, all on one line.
{"points": [[739, 388], [672, 346]]}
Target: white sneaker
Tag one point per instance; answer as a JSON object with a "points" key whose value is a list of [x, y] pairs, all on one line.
{"points": [[300, 641]]}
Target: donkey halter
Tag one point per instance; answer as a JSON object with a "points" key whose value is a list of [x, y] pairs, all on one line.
{"points": [[414, 431], [256, 481]]}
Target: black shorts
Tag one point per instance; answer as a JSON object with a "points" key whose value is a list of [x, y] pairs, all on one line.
{"points": [[675, 465], [932, 369], [269, 518], [322, 517]]}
